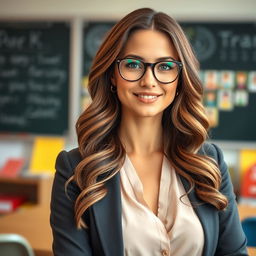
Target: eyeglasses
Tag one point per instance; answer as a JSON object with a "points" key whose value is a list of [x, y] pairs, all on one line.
{"points": [[165, 72]]}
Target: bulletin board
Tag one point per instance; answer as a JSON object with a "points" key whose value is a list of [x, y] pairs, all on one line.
{"points": [[34, 77], [227, 55]]}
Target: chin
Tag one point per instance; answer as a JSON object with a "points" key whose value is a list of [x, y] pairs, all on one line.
{"points": [[149, 114], [142, 112]]}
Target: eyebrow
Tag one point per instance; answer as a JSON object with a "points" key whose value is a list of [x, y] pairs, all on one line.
{"points": [[141, 58]]}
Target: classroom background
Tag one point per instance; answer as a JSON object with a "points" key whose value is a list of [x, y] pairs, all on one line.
{"points": [[46, 49]]}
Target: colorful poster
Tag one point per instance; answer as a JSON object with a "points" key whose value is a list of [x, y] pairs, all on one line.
{"points": [[45, 151], [210, 99], [211, 79], [252, 81], [225, 100], [241, 98], [227, 79], [213, 116], [241, 80]]}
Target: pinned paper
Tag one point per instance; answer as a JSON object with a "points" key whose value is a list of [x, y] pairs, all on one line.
{"points": [[225, 100], [44, 154]]}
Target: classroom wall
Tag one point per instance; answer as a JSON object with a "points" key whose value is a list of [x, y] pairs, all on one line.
{"points": [[114, 9], [79, 10]]}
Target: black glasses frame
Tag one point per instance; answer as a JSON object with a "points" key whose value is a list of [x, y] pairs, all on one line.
{"points": [[152, 65]]}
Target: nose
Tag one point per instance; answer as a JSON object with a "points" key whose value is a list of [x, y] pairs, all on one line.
{"points": [[148, 79]]}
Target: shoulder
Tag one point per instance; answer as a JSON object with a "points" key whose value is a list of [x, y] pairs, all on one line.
{"points": [[213, 151], [65, 165], [68, 160]]}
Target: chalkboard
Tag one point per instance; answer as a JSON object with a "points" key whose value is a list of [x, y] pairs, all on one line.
{"points": [[34, 77], [221, 48]]}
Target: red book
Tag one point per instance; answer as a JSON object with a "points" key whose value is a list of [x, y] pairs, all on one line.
{"points": [[248, 188], [12, 167], [10, 203]]}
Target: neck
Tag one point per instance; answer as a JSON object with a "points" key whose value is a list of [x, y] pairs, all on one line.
{"points": [[142, 136]]}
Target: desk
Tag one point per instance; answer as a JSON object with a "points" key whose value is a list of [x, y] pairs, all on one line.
{"points": [[32, 223], [244, 212]]}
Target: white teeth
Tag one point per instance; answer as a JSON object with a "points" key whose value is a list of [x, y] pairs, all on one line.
{"points": [[147, 96]]}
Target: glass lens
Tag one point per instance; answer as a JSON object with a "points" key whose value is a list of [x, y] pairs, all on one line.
{"points": [[166, 71], [131, 69]]}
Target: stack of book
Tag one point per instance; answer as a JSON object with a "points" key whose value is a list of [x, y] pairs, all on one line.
{"points": [[10, 203]]}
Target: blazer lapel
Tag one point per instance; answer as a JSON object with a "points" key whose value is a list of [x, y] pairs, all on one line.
{"points": [[108, 218], [205, 214]]}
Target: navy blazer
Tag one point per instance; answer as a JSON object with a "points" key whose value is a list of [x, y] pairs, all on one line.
{"points": [[222, 229]]}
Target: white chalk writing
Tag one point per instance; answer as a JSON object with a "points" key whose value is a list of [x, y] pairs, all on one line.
{"points": [[13, 120]]}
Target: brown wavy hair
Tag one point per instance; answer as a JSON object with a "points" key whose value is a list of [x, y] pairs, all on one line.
{"points": [[184, 122]]}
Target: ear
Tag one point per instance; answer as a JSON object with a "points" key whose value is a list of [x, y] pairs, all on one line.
{"points": [[113, 79]]}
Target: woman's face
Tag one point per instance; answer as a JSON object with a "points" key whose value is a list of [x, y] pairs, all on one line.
{"points": [[146, 97]]}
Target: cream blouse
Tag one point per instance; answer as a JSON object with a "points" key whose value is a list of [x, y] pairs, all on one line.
{"points": [[175, 231]]}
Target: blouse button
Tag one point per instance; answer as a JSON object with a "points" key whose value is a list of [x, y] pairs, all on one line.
{"points": [[165, 252]]}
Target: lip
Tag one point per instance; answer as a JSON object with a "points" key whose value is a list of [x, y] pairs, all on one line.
{"points": [[150, 97]]}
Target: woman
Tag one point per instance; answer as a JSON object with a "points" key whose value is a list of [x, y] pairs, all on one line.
{"points": [[143, 181]]}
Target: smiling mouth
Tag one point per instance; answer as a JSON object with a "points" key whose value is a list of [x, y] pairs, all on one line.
{"points": [[146, 96]]}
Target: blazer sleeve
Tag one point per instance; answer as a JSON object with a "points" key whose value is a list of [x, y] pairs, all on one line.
{"points": [[232, 240], [67, 239]]}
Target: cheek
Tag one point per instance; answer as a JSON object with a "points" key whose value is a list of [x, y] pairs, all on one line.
{"points": [[122, 89], [171, 92], [170, 99], [123, 86]]}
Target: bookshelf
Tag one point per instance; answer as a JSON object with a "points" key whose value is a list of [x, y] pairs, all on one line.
{"points": [[36, 189]]}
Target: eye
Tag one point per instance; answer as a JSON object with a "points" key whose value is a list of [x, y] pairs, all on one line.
{"points": [[166, 66], [133, 64]]}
